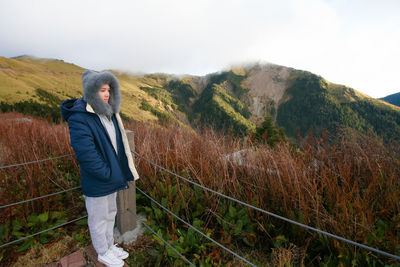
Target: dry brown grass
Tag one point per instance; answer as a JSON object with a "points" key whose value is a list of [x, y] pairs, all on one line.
{"points": [[287, 257], [25, 139], [344, 188], [39, 255]]}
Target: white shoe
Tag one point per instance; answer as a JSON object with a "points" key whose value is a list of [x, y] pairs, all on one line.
{"points": [[110, 260], [119, 252]]}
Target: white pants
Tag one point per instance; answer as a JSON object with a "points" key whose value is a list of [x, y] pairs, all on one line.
{"points": [[101, 218]]}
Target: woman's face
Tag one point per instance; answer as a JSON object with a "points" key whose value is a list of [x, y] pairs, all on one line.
{"points": [[104, 92]]}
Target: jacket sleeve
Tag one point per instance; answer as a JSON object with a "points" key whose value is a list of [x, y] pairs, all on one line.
{"points": [[89, 158]]}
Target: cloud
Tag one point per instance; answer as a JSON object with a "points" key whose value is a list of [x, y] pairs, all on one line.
{"points": [[335, 39]]}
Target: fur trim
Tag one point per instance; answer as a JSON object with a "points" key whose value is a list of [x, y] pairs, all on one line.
{"points": [[127, 148], [92, 82]]}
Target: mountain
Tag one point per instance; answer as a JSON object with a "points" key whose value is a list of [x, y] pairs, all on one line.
{"points": [[236, 100], [393, 99], [297, 100]]}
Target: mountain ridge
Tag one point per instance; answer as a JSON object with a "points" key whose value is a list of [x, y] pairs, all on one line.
{"points": [[239, 98], [393, 99]]}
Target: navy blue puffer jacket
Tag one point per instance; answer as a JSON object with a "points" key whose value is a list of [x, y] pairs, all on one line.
{"points": [[102, 171]]}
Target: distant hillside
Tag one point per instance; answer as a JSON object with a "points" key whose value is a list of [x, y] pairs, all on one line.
{"points": [[237, 100], [37, 85], [393, 99], [297, 100], [317, 104]]}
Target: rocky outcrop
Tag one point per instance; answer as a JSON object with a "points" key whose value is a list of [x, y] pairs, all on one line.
{"points": [[267, 84]]}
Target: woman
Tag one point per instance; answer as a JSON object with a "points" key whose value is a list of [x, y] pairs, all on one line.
{"points": [[102, 150]]}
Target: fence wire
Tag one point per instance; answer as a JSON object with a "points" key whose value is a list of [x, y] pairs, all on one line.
{"points": [[275, 215], [195, 184], [35, 161], [41, 232], [169, 245], [36, 198], [198, 231]]}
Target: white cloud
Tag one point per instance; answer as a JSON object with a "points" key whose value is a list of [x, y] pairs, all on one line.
{"points": [[351, 43]]}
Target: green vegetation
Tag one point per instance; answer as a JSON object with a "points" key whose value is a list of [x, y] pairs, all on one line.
{"points": [[47, 107], [182, 94], [216, 107], [236, 227], [161, 94], [312, 107], [268, 134], [383, 122], [309, 108], [164, 117], [233, 79], [35, 223]]}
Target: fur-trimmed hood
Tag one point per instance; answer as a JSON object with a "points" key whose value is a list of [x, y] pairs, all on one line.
{"points": [[92, 82]]}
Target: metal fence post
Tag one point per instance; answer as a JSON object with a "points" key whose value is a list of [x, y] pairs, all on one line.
{"points": [[126, 199]]}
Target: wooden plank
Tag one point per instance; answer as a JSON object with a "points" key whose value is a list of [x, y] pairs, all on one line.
{"points": [[126, 200]]}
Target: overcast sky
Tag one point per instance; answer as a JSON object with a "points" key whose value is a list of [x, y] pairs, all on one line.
{"points": [[351, 42]]}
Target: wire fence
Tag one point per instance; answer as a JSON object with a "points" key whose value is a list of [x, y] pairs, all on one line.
{"points": [[35, 161], [194, 228], [77, 187], [41, 232], [169, 245], [273, 214], [180, 219], [36, 198]]}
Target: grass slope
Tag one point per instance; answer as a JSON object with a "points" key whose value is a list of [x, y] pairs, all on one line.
{"points": [[21, 77]]}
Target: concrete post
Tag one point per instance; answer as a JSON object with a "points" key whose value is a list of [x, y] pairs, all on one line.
{"points": [[126, 200]]}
